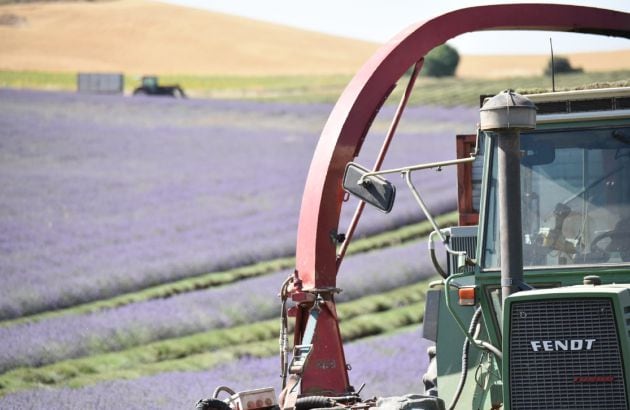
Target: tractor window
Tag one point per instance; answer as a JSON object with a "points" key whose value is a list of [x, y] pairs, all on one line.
{"points": [[149, 82], [575, 199]]}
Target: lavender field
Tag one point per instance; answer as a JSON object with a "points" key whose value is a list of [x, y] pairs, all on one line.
{"points": [[102, 196]]}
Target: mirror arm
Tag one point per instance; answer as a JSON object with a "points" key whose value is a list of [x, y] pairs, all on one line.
{"points": [[436, 229], [416, 195], [430, 165], [440, 164], [381, 156], [406, 172]]}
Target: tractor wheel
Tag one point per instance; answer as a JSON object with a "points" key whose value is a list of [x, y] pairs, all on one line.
{"points": [[212, 404]]}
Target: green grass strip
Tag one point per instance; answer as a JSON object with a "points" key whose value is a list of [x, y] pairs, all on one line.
{"points": [[305, 88], [265, 87], [451, 91], [38, 80], [163, 291], [446, 91], [401, 235], [382, 240], [362, 317], [364, 326]]}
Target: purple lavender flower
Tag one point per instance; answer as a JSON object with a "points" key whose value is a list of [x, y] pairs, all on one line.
{"points": [[103, 195]]}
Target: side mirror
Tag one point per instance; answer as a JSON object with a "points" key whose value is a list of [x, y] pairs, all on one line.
{"points": [[373, 189]]}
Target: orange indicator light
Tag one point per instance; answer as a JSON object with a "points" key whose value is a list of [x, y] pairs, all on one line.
{"points": [[467, 296]]}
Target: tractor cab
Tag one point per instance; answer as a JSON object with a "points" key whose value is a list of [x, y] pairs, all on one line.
{"points": [[150, 82], [575, 237], [575, 193]]}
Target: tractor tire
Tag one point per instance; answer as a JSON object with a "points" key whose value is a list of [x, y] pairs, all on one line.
{"points": [[212, 404]]}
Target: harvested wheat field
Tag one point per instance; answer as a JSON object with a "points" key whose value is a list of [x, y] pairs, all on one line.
{"points": [[143, 36], [137, 36], [531, 65]]}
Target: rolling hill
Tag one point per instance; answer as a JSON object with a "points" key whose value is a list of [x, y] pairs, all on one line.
{"points": [[140, 36], [143, 36], [528, 65]]}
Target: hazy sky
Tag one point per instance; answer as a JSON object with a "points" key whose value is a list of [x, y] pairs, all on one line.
{"points": [[380, 20]]}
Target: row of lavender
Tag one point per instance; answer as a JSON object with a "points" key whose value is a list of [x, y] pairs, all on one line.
{"points": [[245, 302], [395, 367], [104, 195]]}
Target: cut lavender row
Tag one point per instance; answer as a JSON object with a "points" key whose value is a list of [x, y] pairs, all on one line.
{"points": [[36, 344], [395, 366]]}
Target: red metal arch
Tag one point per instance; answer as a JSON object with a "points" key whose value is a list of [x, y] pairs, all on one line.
{"points": [[347, 125], [325, 371]]}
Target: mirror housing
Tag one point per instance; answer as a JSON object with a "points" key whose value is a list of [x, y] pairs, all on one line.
{"points": [[374, 190]]}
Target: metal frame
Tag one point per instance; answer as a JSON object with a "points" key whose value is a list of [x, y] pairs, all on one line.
{"points": [[341, 139], [406, 173]]}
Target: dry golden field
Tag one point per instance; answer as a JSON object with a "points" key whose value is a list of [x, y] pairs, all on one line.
{"points": [[141, 36], [138, 36], [530, 65]]}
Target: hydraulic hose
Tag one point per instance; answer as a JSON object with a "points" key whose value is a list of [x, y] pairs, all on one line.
{"points": [[219, 389], [482, 344], [314, 402], [284, 329], [436, 264], [466, 349]]}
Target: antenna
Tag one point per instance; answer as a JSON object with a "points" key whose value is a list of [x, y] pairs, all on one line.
{"points": [[553, 68]]}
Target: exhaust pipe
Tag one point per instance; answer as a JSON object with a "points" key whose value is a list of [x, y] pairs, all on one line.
{"points": [[506, 114]]}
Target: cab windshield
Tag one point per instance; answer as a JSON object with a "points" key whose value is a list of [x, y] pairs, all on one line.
{"points": [[575, 199]]}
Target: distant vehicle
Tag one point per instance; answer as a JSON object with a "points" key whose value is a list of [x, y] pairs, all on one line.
{"points": [[150, 86]]}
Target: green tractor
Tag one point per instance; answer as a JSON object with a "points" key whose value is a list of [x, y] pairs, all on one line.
{"points": [[151, 86], [551, 330], [532, 310]]}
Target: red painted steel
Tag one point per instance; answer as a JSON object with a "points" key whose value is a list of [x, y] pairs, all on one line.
{"points": [[468, 216], [325, 371], [381, 157], [351, 117], [345, 129]]}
